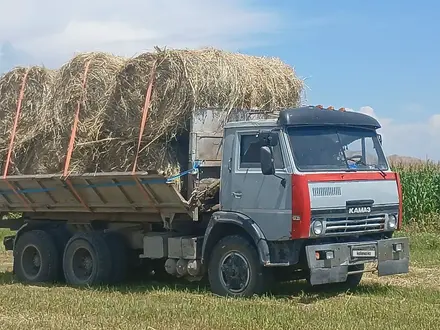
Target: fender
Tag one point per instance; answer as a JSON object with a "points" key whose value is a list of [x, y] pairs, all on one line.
{"points": [[241, 221], [23, 225]]}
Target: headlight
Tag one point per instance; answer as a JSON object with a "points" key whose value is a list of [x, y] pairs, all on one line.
{"points": [[392, 221], [317, 227]]}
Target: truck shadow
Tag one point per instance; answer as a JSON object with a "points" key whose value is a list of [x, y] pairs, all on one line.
{"points": [[6, 278], [297, 290]]}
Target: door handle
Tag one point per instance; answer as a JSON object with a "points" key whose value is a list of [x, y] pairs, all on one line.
{"points": [[237, 194]]}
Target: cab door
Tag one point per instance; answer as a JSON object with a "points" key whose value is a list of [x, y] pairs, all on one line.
{"points": [[263, 198]]}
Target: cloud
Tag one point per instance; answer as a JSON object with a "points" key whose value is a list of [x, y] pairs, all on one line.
{"points": [[50, 29], [419, 138]]}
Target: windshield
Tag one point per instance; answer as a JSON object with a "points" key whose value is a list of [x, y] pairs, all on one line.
{"points": [[336, 148]]}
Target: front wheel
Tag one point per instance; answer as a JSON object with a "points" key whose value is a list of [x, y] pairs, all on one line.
{"points": [[234, 268]]}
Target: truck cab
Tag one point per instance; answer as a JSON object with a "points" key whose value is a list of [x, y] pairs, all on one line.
{"points": [[315, 195]]}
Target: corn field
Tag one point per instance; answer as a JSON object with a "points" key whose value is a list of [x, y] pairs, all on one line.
{"points": [[421, 192]]}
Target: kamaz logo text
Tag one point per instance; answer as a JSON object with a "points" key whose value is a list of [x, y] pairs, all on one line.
{"points": [[357, 210]]}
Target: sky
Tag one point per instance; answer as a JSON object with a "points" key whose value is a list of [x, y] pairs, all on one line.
{"points": [[377, 57]]}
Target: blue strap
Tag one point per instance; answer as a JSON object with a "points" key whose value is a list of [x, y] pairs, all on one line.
{"points": [[196, 165]]}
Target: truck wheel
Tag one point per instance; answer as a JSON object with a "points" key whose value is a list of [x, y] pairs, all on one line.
{"points": [[87, 259], [119, 255], [234, 268], [36, 257]]}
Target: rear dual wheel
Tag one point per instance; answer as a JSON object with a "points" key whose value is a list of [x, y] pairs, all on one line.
{"points": [[88, 259], [95, 258]]}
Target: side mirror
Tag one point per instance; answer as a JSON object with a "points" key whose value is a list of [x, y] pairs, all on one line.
{"points": [[266, 160], [379, 137], [268, 138]]}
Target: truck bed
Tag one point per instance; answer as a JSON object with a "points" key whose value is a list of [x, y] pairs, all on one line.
{"points": [[92, 193]]}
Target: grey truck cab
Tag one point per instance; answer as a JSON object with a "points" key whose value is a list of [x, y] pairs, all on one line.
{"points": [[306, 193], [314, 191]]}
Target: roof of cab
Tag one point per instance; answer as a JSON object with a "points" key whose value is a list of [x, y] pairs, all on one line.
{"points": [[312, 116]]}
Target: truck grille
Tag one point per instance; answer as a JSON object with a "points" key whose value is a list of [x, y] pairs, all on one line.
{"points": [[355, 224]]}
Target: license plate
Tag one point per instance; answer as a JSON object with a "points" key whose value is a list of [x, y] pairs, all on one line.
{"points": [[363, 253]]}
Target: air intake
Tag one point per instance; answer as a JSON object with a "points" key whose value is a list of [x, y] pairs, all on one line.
{"points": [[326, 191]]}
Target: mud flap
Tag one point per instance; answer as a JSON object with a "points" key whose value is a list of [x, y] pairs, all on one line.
{"points": [[331, 270], [393, 256]]}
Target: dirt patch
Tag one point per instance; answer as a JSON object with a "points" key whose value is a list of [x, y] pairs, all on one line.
{"points": [[417, 276]]}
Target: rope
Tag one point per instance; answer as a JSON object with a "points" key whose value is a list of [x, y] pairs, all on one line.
{"points": [[72, 139], [14, 128], [144, 115], [192, 170], [11, 142], [75, 123]]}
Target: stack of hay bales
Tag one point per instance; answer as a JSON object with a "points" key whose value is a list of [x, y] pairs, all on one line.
{"points": [[114, 96]]}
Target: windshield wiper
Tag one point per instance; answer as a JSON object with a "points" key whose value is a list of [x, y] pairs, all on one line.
{"points": [[380, 170]]}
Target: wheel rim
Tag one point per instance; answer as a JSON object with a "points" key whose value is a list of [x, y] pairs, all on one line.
{"points": [[82, 264], [31, 261], [234, 271]]}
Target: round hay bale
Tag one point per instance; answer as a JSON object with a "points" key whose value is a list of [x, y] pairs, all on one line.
{"points": [[185, 80], [95, 112], [37, 89]]}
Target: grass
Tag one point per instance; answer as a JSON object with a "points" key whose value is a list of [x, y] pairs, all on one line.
{"points": [[397, 302]]}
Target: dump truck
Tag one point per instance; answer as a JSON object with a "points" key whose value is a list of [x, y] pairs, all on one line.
{"points": [[302, 193]]}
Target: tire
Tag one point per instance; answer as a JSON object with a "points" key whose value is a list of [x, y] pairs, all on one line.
{"points": [[89, 251], [255, 277], [36, 258], [119, 257], [60, 236]]}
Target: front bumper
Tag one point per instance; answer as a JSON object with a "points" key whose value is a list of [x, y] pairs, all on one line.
{"points": [[391, 256]]}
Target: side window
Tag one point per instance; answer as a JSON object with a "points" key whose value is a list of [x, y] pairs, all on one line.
{"points": [[250, 153]]}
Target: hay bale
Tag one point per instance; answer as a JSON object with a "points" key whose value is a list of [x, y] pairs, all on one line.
{"points": [[37, 90], [59, 111], [185, 80]]}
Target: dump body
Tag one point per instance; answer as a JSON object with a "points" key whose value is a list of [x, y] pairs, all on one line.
{"points": [[102, 194]]}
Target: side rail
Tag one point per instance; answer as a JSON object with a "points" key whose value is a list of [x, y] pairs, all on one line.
{"points": [[100, 192]]}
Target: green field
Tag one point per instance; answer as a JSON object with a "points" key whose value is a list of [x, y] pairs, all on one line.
{"points": [[408, 301], [398, 302]]}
